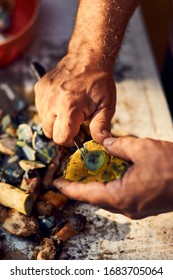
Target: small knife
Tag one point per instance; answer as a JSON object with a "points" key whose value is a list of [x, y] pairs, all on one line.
{"points": [[78, 143], [39, 72]]}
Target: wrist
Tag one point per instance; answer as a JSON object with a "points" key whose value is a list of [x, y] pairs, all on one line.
{"points": [[99, 31], [91, 54]]}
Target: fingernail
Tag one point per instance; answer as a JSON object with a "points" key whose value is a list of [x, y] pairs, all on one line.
{"points": [[105, 132], [108, 141]]}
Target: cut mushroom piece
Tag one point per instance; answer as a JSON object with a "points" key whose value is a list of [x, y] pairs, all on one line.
{"points": [[58, 200], [51, 247], [31, 183], [18, 224], [11, 172], [24, 132], [75, 224], [13, 197], [26, 151], [30, 165], [44, 208], [50, 175], [8, 146]]}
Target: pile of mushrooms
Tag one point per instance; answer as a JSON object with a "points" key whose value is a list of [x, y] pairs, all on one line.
{"points": [[29, 204]]}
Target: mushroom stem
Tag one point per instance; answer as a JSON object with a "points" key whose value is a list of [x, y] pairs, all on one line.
{"points": [[51, 247], [74, 225], [13, 197], [56, 199]]}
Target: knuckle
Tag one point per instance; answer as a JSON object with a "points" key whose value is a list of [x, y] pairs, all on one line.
{"points": [[60, 140], [47, 129], [48, 135], [144, 144], [63, 137], [40, 85], [36, 87], [72, 104]]}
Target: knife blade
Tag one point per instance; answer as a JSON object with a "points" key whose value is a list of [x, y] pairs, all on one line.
{"points": [[39, 72], [78, 143]]}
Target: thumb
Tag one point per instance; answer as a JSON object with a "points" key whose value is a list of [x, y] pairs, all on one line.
{"points": [[100, 125], [123, 147]]}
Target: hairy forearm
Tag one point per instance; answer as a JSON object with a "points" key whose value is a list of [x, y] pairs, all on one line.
{"points": [[99, 29]]}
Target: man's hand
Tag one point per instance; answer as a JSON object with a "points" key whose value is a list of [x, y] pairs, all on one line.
{"points": [[70, 94], [145, 189], [81, 87]]}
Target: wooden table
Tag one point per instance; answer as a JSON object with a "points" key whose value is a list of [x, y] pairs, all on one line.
{"points": [[141, 110]]}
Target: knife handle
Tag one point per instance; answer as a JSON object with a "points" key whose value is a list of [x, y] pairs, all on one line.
{"points": [[38, 70]]}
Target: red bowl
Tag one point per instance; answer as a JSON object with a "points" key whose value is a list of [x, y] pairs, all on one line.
{"points": [[21, 31]]}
